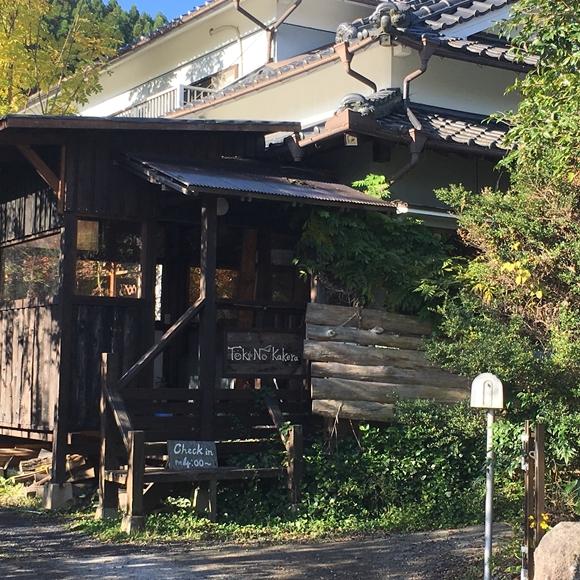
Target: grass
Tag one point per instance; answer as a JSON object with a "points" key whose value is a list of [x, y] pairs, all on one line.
{"points": [[13, 495], [177, 522]]}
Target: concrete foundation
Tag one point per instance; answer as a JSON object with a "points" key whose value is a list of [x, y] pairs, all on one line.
{"points": [[57, 496]]}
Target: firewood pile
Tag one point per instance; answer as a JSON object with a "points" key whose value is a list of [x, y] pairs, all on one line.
{"points": [[32, 468]]}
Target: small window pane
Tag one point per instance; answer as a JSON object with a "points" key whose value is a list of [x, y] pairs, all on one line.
{"points": [[30, 269], [226, 284], [108, 259]]}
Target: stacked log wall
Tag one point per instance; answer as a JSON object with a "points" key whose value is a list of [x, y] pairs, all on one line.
{"points": [[364, 361]]}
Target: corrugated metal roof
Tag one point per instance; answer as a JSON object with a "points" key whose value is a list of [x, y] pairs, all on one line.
{"points": [[251, 180]]}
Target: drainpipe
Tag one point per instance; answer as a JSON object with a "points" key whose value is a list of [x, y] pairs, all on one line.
{"points": [[272, 29], [346, 57], [418, 138], [425, 55]]}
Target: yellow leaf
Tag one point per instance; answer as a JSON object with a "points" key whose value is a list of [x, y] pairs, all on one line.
{"points": [[539, 294]]}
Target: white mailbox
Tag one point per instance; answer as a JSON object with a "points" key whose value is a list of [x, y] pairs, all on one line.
{"points": [[487, 392]]}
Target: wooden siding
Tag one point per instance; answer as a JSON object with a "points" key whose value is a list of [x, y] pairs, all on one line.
{"points": [[29, 366], [30, 215], [100, 328]]}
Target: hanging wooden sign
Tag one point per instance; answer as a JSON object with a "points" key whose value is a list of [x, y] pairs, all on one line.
{"points": [[259, 354]]}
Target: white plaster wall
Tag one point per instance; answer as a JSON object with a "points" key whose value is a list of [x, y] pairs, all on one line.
{"points": [[454, 84], [169, 61], [308, 98], [324, 14], [292, 40], [192, 53], [250, 57]]}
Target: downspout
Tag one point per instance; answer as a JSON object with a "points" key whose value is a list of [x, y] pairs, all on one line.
{"points": [[272, 29], [346, 57], [425, 55], [418, 138]]}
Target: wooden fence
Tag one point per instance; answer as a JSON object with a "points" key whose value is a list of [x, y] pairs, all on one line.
{"points": [[363, 361]]}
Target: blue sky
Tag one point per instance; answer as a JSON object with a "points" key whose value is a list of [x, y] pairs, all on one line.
{"points": [[170, 8]]}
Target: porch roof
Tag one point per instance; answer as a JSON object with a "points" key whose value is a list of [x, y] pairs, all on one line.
{"points": [[14, 122], [243, 180]]}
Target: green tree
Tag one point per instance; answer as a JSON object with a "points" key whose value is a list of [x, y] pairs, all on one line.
{"points": [[513, 306], [54, 49]]}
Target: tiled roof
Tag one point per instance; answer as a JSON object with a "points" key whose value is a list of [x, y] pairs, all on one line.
{"points": [[423, 16], [441, 14], [489, 49], [449, 126]]}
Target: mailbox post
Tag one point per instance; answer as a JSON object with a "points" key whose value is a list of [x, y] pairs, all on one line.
{"points": [[487, 393]]}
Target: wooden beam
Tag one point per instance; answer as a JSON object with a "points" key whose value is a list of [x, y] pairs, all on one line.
{"points": [[367, 319], [345, 389], [208, 318], [60, 194], [108, 492], [339, 352], [376, 337], [389, 374], [360, 410], [158, 348], [41, 167]]}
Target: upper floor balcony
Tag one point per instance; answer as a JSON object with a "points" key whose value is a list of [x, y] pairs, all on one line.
{"points": [[161, 104]]}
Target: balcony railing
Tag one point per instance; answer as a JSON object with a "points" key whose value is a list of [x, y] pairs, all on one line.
{"points": [[162, 104]]}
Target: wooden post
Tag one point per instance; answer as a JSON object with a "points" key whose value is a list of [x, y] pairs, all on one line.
{"points": [[539, 481], [108, 491], [295, 451], [148, 263], [134, 520], [66, 312], [528, 465], [208, 317], [205, 500]]}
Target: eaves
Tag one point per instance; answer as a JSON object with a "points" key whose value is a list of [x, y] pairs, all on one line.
{"points": [[352, 122]]}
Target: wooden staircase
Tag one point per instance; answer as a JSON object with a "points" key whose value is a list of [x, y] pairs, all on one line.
{"points": [[137, 423]]}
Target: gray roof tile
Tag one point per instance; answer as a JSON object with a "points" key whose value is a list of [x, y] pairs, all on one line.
{"points": [[451, 126]]}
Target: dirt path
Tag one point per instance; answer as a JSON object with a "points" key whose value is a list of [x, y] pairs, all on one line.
{"points": [[38, 547]]}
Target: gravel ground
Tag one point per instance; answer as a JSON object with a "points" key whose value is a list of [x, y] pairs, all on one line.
{"points": [[43, 548]]}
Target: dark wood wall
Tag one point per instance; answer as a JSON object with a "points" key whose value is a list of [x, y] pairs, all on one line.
{"points": [[35, 213], [29, 366], [100, 328], [29, 329], [33, 335]]}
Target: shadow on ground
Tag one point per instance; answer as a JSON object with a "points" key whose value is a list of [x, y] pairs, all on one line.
{"points": [[32, 546]]}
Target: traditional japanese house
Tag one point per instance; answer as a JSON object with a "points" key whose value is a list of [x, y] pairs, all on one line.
{"points": [[168, 246]]}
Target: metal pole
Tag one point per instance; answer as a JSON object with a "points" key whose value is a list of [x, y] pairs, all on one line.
{"points": [[488, 497]]}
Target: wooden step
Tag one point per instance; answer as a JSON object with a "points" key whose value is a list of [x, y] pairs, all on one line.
{"points": [[158, 475]]}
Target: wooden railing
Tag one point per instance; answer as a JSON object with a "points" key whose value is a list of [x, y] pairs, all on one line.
{"points": [[148, 409], [114, 414]]}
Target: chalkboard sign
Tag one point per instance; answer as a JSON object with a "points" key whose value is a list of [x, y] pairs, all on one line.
{"points": [[191, 455], [260, 354]]}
